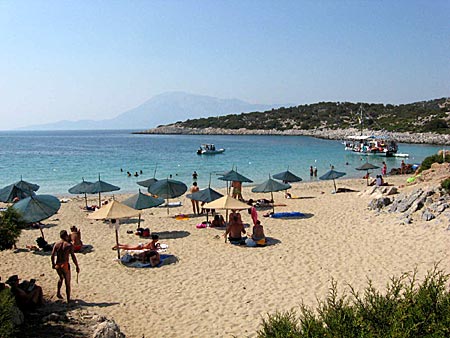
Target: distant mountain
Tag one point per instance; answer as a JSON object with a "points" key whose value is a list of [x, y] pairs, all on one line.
{"points": [[161, 109]]}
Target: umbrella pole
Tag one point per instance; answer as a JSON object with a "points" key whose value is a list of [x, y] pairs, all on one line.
{"points": [[99, 200], [335, 190], [139, 221], [42, 232], [85, 199], [117, 243], [367, 177], [273, 203], [167, 206]]}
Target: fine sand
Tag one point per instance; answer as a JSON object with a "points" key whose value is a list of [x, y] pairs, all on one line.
{"points": [[218, 289]]}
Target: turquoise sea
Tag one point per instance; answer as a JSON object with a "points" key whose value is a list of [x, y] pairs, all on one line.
{"points": [[57, 160]]}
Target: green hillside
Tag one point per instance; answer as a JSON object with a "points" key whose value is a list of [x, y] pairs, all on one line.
{"points": [[426, 116]]}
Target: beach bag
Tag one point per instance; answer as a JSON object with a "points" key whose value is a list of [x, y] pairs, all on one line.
{"points": [[146, 232], [42, 243]]}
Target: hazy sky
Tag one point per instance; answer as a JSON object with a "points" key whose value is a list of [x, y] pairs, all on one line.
{"points": [[71, 60]]}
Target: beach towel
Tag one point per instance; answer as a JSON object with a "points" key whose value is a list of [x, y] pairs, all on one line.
{"points": [[181, 217], [291, 214], [171, 205], [165, 260]]}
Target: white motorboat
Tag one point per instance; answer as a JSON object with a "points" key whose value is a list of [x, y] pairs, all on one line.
{"points": [[209, 149]]}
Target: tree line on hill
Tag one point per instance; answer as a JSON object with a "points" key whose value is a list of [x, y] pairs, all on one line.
{"points": [[426, 116]]}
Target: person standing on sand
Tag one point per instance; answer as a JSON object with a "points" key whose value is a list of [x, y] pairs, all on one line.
{"points": [[62, 250], [195, 204], [384, 169]]}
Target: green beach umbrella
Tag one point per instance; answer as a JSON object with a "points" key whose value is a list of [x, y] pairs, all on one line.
{"points": [[332, 175], [167, 189], [142, 201], [99, 187], [271, 186], [367, 166], [287, 176], [37, 208], [9, 193], [205, 195], [147, 183], [234, 176], [82, 188]]}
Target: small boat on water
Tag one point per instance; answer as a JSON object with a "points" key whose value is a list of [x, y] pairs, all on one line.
{"points": [[209, 149], [372, 145], [361, 144]]}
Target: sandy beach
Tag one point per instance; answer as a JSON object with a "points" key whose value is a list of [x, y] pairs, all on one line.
{"points": [[218, 289]]}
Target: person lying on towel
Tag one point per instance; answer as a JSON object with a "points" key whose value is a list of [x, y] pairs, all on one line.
{"points": [[153, 245], [234, 230]]}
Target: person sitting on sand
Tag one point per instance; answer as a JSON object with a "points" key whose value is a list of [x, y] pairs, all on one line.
{"points": [[258, 237], [218, 221], [75, 238], [234, 229], [28, 295]]}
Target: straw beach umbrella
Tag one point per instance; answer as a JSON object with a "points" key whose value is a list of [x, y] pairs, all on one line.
{"points": [[142, 201], [367, 166], [81, 188], [226, 203], [271, 186], [332, 175], [114, 211], [99, 187]]}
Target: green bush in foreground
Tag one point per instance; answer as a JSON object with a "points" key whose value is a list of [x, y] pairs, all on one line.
{"points": [[428, 161], [406, 309], [7, 303], [445, 184], [11, 224]]}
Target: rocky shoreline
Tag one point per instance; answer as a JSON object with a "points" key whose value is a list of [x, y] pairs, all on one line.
{"points": [[331, 134]]}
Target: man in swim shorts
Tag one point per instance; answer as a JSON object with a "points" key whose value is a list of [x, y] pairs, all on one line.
{"points": [[234, 229], [62, 250], [237, 190]]}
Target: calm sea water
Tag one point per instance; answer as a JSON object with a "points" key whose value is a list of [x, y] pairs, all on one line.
{"points": [[57, 160]]}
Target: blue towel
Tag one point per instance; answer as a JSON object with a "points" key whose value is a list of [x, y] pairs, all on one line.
{"points": [[287, 214]]}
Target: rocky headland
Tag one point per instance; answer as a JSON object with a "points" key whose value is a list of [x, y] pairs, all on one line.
{"points": [[331, 134]]}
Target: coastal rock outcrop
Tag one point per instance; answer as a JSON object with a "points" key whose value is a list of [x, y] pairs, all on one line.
{"points": [[107, 328], [324, 133]]}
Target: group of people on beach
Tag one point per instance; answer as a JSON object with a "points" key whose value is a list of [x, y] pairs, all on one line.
{"points": [[235, 231]]}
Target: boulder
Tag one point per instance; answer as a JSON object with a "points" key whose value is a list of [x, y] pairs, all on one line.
{"points": [[55, 317], [391, 191], [428, 215], [379, 203], [17, 316], [108, 329]]}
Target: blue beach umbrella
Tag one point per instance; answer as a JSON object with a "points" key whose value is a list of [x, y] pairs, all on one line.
{"points": [[332, 175]]}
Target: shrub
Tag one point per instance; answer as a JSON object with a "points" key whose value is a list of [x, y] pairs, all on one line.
{"points": [[406, 309], [445, 184], [7, 302], [10, 228], [428, 161]]}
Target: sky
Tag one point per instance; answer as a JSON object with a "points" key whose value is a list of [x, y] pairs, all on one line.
{"points": [[72, 60]]}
